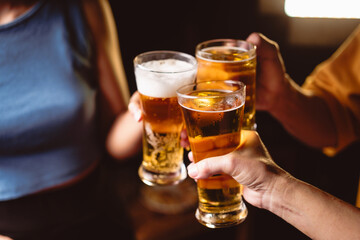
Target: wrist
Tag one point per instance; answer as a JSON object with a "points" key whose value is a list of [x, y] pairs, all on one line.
{"points": [[276, 200]]}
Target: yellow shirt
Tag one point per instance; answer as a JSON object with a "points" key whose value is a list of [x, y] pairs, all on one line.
{"points": [[337, 81]]}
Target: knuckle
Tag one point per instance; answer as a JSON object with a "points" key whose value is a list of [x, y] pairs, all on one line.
{"points": [[206, 170], [274, 47], [232, 165]]}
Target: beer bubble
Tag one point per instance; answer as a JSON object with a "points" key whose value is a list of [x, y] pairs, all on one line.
{"points": [[230, 102]]}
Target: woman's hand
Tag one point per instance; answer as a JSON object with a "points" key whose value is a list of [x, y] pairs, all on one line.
{"points": [[124, 139], [250, 165], [135, 106], [135, 110]]}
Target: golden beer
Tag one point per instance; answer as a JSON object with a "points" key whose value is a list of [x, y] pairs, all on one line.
{"points": [[158, 75], [228, 59], [213, 120], [163, 123]]}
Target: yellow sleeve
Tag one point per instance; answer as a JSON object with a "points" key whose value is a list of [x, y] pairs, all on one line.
{"points": [[337, 81]]}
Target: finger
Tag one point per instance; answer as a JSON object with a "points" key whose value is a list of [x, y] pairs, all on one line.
{"points": [[185, 144], [184, 134], [191, 157], [248, 137], [211, 166], [227, 164], [135, 107], [192, 170], [184, 140], [266, 48], [135, 111], [254, 38]]}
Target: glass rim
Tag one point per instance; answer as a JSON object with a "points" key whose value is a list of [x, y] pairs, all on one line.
{"points": [[219, 43], [192, 61], [241, 90]]}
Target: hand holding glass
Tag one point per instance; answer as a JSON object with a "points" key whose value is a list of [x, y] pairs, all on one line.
{"points": [[213, 113]]}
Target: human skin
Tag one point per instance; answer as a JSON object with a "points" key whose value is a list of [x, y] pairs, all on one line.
{"points": [[119, 130], [113, 89], [306, 116], [302, 113], [314, 212]]}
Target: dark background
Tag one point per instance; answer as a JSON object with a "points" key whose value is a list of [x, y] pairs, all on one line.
{"points": [[180, 25]]}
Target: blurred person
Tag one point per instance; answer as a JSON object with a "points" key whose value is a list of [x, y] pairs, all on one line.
{"points": [[62, 85]]}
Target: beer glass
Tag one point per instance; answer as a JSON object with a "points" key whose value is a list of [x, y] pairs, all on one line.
{"points": [[213, 112], [158, 75], [223, 59]]}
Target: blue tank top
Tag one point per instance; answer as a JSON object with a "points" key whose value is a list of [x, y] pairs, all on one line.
{"points": [[48, 133]]}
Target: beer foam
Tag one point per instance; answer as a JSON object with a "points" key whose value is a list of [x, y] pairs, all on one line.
{"points": [[161, 78]]}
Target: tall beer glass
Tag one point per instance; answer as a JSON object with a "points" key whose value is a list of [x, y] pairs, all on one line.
{"points": [[158, 75], [213, 113], [223, 59]]}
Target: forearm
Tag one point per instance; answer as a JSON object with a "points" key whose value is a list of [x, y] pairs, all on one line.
{"points": [[305, 116], [125, 136], [4, 238], [314, 212]]}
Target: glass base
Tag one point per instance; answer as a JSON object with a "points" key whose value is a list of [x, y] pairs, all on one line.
{"points": [[159, 179], [222, 219], [170, 199]]}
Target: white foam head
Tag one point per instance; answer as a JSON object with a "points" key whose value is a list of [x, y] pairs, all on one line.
{"points": [[161, 78]]}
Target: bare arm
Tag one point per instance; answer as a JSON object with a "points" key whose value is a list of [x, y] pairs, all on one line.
{"points": [[122, 133], [303, 114], [314, 212], [127, 128]]}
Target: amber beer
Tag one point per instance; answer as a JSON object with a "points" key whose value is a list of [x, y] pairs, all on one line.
{"points": [[225, 59], [213, 114], [158, 75], [162, 126]]}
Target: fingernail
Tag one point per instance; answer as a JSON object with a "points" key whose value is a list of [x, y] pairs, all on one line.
{"points": [[192, 170], [137, 116], [131, 107]]}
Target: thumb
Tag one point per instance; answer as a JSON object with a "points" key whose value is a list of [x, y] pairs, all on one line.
{"points": [[211, 166], [135, 111], [134, 106]]}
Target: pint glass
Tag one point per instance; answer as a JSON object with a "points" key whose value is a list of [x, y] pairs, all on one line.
{"points": [[158, 75], [223, 59], [213, 112]]}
